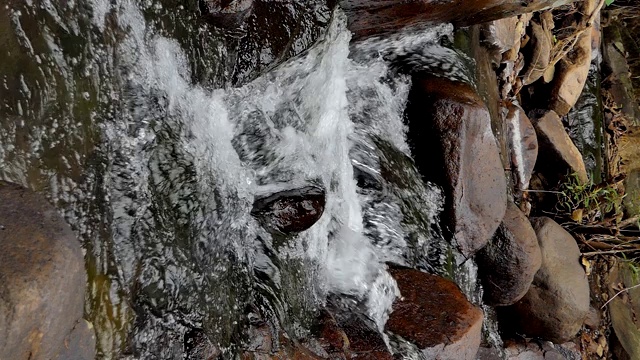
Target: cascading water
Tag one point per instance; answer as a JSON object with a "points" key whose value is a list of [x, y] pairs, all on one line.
{"points": [[158, 172]]}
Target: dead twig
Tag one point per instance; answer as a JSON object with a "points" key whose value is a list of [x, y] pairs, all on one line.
{"points": [[618, 293]]}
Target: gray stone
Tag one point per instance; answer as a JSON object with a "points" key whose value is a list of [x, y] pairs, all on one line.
{"points": [[560, 154], [557, 302], [80, 344], [509, 262]]}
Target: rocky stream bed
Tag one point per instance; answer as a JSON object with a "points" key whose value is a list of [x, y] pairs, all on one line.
{"points": [[313, 179]]}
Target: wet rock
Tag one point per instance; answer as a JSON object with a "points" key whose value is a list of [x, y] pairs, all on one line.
{"points": [[509, 262], [572, 70], [226, 13], [262, 33], [453, 146], [624, 309], [539, 47], [197, 346], [557, 302], [375, 17], [361, 339], [434, 315], [42, 277], [523, 143], [560, 155], [80, 344], [290, 211]]}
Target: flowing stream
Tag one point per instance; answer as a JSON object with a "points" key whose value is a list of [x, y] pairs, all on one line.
{"points": [[121, 112]]}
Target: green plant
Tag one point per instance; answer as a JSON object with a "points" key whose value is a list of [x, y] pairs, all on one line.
{"points": [[609, 2], [595, 202]]}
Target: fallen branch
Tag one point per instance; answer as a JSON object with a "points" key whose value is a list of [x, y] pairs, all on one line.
{"points": [[610, 252], [618, 293]]}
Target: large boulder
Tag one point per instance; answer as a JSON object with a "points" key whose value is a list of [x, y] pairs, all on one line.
{"points": [[509, 262], [433, 314], [560, 154], [376, 17], [454, 147], [42, 280], [557, 302]]}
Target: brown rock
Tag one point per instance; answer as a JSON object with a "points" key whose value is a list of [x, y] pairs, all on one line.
{"points": [[509, 262], [523, 143], [501, 34], [556, 148], [453, 146], [80, 344], [290, 211], [375, 17], [435, 316], [42, 276], [557, 302], [540, 51], [572, 70]]}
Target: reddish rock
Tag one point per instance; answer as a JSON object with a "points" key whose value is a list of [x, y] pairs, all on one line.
{"points": [[453, 146], [557, 302], [523, 143], [290, 211], [347, 335], [42, 277], [509, 262], [376, 17], [560, 154], [434, 315]]}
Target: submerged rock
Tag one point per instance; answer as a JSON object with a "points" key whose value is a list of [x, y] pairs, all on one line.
{"points": [[262, 33], [560, 154], [557, 302], [509, 262], [290, 211], [434, 314], [523, 143], [375, 17], [351, 336], [454, 147], [42, 280]]}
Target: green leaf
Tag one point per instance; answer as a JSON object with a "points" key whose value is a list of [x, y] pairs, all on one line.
{"points": [[609, 2]]}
